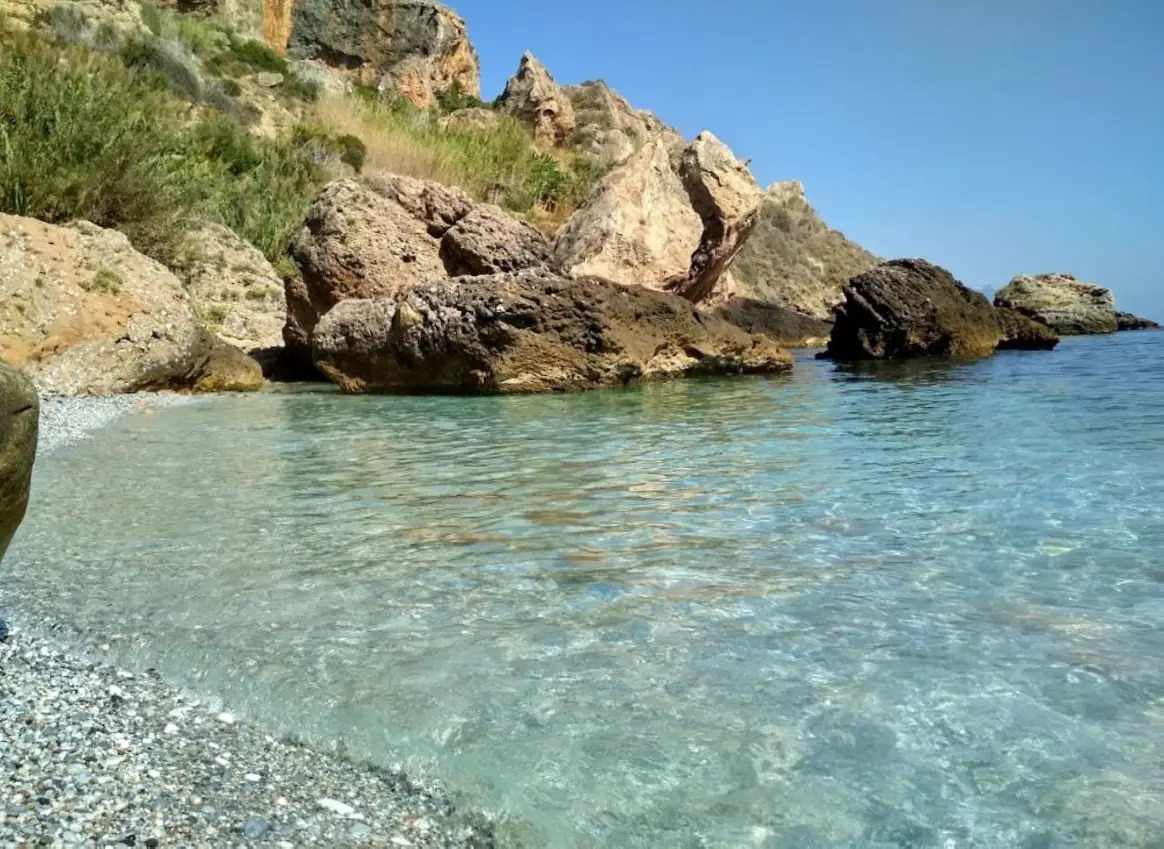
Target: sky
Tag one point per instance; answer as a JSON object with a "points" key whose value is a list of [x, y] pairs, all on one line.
{"points": [[992, 137]]}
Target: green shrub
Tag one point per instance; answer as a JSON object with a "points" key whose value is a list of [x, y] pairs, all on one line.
{"points": [[322, 146], [455, 98], [105, 280], [81, 136], [169, 60], [246, 56]]}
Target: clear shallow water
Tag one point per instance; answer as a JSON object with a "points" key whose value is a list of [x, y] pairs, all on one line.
{"points": [[912, 606]]}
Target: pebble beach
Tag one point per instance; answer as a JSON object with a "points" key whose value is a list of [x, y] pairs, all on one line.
{"points": [[92, 754]]}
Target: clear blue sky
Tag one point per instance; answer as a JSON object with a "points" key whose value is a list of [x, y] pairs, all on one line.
{"points": [[994, 137]]}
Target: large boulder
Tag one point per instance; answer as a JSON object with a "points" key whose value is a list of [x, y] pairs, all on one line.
{"points": [[608, 128], [788, 327], [793, 259], [529, 332], [910, 308], [1021, 333], [418, 48], [1061, 302], [234, 289], [665, 219], [1127, 321], [84, 313], [384, 234], [532, 96], [18, 424]]}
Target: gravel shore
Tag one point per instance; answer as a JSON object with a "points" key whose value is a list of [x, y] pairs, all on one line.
{"points": [[95, 755]]}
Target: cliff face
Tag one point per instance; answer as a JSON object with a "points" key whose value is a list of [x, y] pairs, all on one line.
{"points": [[793, 260]]}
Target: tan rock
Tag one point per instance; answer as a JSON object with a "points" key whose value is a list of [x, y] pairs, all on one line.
{"points": [[793, 259], [233, 288], [607, 127], [385, 234], [1061, 302], [532, 96], [18, 426], [529, 332], [84, 313]]}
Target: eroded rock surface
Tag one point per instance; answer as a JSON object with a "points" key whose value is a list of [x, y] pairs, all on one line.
{"points": [[1022, 333], [529, 332], [607, 127], [532, 96], [1061, 302]]}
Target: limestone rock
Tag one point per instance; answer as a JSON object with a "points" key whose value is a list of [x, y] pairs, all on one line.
{"points": [[532, 96], [18, 425], [607, 127], [384, 234], [1064, 304], [664, 219], [725, 196], [1022, 333], [909, 308], [474, 118], [793, 259], [233, 287], [788, 327], [638, 226], [529, 332], [84, 313], [419, 48], [1127, 321]]}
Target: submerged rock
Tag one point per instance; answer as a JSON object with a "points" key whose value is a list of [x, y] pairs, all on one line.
{"points": [[1061, 302], [1022, 333], [529, 333], [385, 234], [85, 314], [532, 96], [1127, 321], [910, 308], [18, 428]]}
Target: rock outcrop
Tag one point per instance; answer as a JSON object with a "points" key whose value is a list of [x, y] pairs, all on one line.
{"points": [[384, 234], [84, 313], [608, 128], [1021, 333], [788, 327], [664, 219], [529, 332], [419, 48], [18, 425], [233, 288], [1127, 321], [793, 259], [909, 308], [1061, 302], [532, 96]]}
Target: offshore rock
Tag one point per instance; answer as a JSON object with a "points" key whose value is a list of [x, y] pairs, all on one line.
{"points": [[788, 327], [18, 426], [532, 96], [1022, 333], [529, 332], [85, 314], [910, 308], [1061, 302], [1127, 321]]}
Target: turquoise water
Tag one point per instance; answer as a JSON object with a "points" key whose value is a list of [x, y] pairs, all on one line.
{"points": [[912, 606]]}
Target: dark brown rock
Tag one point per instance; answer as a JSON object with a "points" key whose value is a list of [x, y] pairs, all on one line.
{"points": [[18, 426], [1021, 333], [1127, 321], [529, 333], [490, 241], [791, 329], [910, 308]]}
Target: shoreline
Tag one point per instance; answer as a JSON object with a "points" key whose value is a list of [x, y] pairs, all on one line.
{"points": [[95, 754]]}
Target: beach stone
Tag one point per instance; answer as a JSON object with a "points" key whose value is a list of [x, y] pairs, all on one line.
{"points": [[908, 308], [19, 411], [529, 332], [1061, 302]]}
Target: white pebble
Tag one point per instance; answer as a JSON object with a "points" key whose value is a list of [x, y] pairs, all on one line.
{"points": [[226, 718], [251, 776], [170, 729], [335, 806]]}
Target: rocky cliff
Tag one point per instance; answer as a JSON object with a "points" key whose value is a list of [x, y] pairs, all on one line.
{"points": [[794, 260]]}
